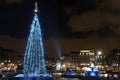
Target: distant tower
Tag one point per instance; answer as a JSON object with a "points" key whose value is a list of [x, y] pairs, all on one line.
{"points": [[34, 59]]}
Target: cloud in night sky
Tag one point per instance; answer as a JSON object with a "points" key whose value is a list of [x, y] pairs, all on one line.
{"points": [[112, 4], [83, 24], [104, 20], [96, 25], [13, 43]]}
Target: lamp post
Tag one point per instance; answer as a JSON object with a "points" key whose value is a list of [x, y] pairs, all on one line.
{"points": [[97, 56], [99, 53]]}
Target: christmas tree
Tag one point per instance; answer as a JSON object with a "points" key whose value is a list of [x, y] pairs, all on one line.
{"points": [[34, 62]]}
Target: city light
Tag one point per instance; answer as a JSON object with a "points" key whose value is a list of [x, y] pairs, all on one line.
{"points": [[63, 65], [99, 52], [80, 40]]}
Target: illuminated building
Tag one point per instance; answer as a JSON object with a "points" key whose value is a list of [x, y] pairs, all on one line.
{"points": [[82, 59], [100, 60], [86, 56], [113, 60], [9, 54], [9, 59]]}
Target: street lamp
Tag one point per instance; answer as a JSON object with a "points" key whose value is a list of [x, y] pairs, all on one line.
{"points": [[98, 58], [99, 53]]}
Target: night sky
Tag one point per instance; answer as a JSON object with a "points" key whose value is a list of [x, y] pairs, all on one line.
{"points": [[67, 25]]}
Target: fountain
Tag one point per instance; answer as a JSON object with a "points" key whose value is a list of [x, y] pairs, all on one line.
{"points": [[34, 67], [92, 71], [69, 72]]}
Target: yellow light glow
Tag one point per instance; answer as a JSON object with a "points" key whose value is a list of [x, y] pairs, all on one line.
{"points": [[99, 52], [63, 65], [2, 63], [84, 50]]}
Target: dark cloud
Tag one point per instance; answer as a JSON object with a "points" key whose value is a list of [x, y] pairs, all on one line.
{"points": [[85, 18], [78, 19], [106, 31], [82, 23], [12, 43]]}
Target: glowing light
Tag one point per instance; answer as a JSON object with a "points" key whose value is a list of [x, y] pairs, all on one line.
{"points": [[88, 69], [92, 71], [9, 61], [99, 52], [56, 44], [92, 65], [34, 62], [2, 63], [84, 50], [19, 75], [58, 66], [105, 75], [115, 76], [36, 7], [63, 65], [95, 69], [92, 74]]}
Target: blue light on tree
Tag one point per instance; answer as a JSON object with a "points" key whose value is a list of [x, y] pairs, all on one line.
{"points": [[34, 62]]}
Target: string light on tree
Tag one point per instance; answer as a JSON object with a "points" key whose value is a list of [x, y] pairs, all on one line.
{"points": [[34, 62]]}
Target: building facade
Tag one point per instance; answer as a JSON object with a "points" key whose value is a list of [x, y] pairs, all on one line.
{"points": [[113, 60], [82, 59], [9, 59]]}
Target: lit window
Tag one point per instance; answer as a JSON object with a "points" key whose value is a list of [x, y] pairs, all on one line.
{"points": [[83, 53]]}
